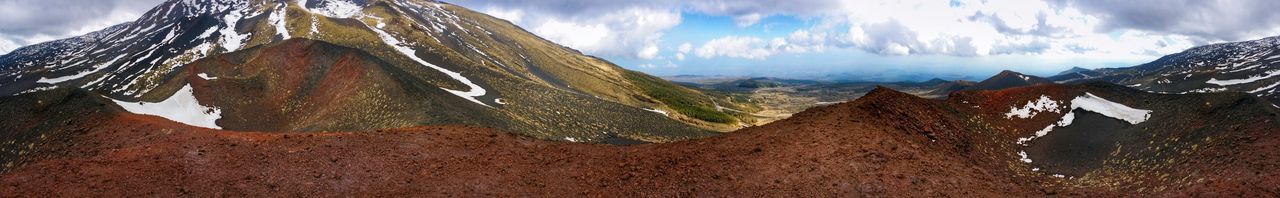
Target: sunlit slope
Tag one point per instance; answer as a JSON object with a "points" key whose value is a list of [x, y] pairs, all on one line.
{"points": [[489, 64]]}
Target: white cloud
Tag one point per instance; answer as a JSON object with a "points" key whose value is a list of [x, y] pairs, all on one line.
{"points": [[967, 28], [649, 51], [801, 41], [684, 48], [512, 15], [587, 37], [1205, 19], [736, 47], [747, 20], [899, 27], [622, 30], [7, 46], [30, 22], [747, 13]]}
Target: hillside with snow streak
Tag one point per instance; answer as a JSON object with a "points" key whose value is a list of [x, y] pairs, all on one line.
{"points": [[473, 68], [1249, 66]]}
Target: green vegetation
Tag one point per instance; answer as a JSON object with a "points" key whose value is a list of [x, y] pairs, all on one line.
{"points": [[756, 84], [681, 99]]}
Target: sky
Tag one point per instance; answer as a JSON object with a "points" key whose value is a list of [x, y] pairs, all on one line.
{"points": [[26, 22], [881, 40]]}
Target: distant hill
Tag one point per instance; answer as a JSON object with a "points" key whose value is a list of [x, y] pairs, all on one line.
{"points": [[1008, 79]]}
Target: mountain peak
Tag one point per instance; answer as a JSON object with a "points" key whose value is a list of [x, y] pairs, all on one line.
{"points": [[1073, 70], [1008, 79]]}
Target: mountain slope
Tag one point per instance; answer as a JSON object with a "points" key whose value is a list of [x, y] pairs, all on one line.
{"points": [[1249, 66], [471, 60], [885, 143], [1008, 79]]}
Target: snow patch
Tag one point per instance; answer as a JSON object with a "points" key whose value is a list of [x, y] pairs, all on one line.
{"points": [[277, 19], [1022, 155], [1043, 104], [206, 76], [1094, 103], [315, 26], [664, 113], [571, 139], [181, 107], [499, 101], [336, 8], [1268, 87], [96, 69], [65, 78], [474, 91], [1206, 90], [1090, 102], [1268, 74], [37, 89], [232, 40], [206, 33]]}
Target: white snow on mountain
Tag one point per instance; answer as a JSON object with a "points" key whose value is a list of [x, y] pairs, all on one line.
{"points": [[1102, 106], [1043, 104], [335, 8], [1090, 102], [278, 20], [473, 92], [664, 113], [182, 107], [1087, 102], [1268, 87], [232, 40], [1266, 75], [206, 76]]}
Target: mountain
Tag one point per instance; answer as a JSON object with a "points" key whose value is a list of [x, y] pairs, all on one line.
{"points": [[353, 65], [944, 89], [1008, 79], [1249, 66], [772, 98], [1072, 71], [1089, 140], [1073, 74]]}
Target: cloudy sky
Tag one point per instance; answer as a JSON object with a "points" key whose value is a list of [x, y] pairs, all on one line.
{"points": [[875, 39], [25, 22]]}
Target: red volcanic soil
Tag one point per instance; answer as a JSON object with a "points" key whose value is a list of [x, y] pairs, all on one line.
{"points": [[886, 143]]}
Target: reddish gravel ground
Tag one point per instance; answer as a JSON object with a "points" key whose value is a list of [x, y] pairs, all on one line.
{"points": [[885, 144]]}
